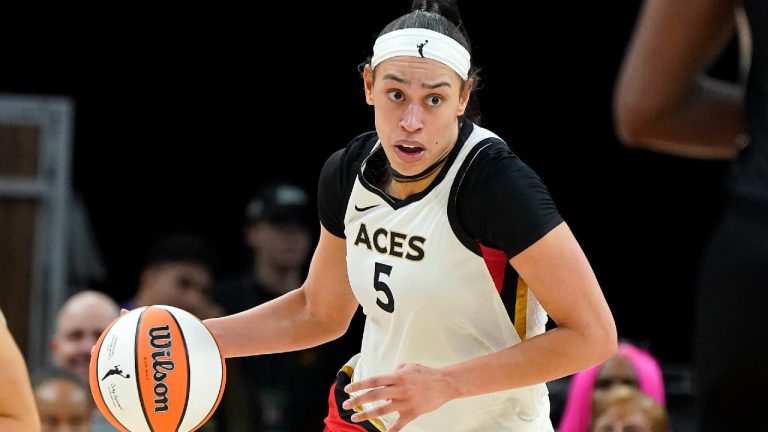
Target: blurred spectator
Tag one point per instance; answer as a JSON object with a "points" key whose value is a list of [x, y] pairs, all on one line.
{"points": [[81, 320], [278, 233], [18, 412], [278, 230], [63, 400], [624, 408], [631, 366], [177, 271]]}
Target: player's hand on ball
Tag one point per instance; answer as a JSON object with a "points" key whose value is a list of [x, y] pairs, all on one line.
{"points": [[411, 390]]}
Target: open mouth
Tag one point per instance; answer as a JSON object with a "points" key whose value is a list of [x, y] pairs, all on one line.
{"points": [[410, 149]]}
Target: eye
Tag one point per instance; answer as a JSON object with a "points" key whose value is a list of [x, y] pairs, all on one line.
{"points": [[630, 382], [49, 421], [76, 335], [434, 100], [185, 282], [602, 384], [395, 95]]}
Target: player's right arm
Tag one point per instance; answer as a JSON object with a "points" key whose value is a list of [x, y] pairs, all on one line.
{"points": [[317, 312], [18, 411]]}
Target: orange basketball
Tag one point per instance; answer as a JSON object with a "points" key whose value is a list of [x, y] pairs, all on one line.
{"points": [[157, 369]]}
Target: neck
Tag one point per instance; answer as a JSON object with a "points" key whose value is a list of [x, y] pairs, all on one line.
{"points": [[401, 189], [429, 171]]}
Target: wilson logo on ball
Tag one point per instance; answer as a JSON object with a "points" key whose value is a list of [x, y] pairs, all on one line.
{"points": [[157, 369], [164, 384], [160, 338]]}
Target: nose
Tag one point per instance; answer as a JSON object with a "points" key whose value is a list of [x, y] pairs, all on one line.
{"points": [[413, 117]]}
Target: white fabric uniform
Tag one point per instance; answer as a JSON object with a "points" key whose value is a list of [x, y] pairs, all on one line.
{"points": [[444, 305]]}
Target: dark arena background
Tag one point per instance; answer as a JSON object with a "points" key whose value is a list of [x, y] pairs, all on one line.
{"points": [[181, 111]]}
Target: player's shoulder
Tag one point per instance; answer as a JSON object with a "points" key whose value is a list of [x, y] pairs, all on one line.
{"points": [[346, 160], [356, 150], [337, 180], [481, 137], [490, 149], [494, 162]]}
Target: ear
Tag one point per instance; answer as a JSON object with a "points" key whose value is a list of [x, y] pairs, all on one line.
{"points": [[466, 93], [368, 84]]}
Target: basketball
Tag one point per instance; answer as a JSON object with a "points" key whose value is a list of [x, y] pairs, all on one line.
{"points": [[156, 369]]}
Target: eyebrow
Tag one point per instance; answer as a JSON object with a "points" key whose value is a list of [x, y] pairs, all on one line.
{"points": [[394, 77]]}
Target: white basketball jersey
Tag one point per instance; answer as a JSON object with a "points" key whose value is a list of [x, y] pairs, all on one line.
{"points": [[428, 299]]}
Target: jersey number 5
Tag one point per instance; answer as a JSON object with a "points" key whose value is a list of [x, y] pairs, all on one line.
{"points": [[389, 305]]}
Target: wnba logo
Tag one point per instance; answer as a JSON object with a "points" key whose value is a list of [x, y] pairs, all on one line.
{"points": [[160, 339]]}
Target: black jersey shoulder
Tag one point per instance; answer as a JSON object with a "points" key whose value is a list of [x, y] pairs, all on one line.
{"points": [[499, 201], [337, 178]]}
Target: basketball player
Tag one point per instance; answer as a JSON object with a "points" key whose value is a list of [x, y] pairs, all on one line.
{"points": [[454, 249], [18, 411], [666, 103]]}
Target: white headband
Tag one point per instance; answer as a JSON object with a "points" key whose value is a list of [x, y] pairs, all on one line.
{"points": [[420, 42]]}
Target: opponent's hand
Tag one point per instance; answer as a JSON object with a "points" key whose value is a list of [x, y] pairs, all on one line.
{"points": [[411, 390]]}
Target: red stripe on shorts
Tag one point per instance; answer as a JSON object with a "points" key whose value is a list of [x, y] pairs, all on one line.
{"points": [[334, 422], [339, 419]]}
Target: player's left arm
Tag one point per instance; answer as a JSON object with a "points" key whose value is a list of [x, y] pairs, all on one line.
{"points": [[18, 411], [558, 272]]}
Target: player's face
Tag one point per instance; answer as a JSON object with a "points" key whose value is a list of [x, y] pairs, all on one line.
{"points": [[416, 103], [63, 407], [79, 327]]}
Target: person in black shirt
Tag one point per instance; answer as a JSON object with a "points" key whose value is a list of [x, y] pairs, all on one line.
{"points": [[665, 102], [279, 230]]}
